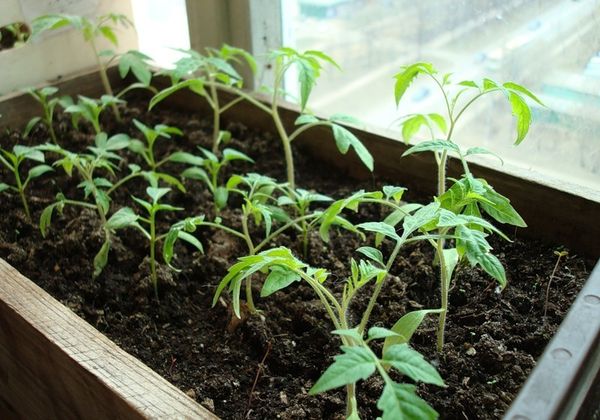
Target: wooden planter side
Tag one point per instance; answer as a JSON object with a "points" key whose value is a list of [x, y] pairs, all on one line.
{"points": [[566, 380], [53, 364]]}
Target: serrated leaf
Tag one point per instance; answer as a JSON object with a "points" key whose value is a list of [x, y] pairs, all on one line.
{"points": [[305, 119], [431, 146], [376, 333], [412, 364], [380, 227], [521, 111], [372, 253], [520, 89], [406, 77], [400, 401], [354, 364], [345, 138], [499, 208], [279, 278], [122, 218]]}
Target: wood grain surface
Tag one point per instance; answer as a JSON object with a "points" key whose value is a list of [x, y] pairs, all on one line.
{"points": [[55, 365]]}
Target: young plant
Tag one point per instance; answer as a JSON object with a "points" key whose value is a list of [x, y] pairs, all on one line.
{"points": [[103, 26], [300, 201], [12, 162], [469, 197], [207, 170], [209, 71], [358, 361], [101, 156], [180, 230], [151, 135], [88, 109], [42, 96]]}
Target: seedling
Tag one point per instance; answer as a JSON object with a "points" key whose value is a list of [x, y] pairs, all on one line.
{"points": [[13, 160], [300, 200], [101, 156], [469, 196], [211, 70], [89, 109], [559, 255], [207, 170], [178, 231], [103, 26], [151, 135], [43, 97], [358, 360]]}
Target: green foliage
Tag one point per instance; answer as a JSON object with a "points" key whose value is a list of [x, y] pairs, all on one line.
{"points": [[89, 109], [180, 230], [207, 73], [151, 135], [42, 96], [359, 361], [207, 170], [12, 161], [136, 63]]}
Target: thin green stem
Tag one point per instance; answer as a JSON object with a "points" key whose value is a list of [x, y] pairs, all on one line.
{"points": [[153, 275], [216, 117], [122, 181], [225, 229], [367, 314], [277, 232], [251, 251], [21, 190], [105, 81], [444, 282], [308, 126]]}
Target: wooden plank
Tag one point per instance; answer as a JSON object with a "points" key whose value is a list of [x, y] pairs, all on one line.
{"points": [[53, 364]]}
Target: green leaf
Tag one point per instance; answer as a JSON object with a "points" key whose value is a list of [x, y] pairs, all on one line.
{"points": [[521, 111], [492, 265], [232, 154], [185, 157], [156, 193], [396, 217], [406, 326], [221, 195], [433, 145], [196, 173], [400, 401], [354, 364], [411, 126], [499, 208], [520, 89], [372, 253], [195, 85], [4, 187], [124, 217], [306, 119], [136, 62], [109, 34], [482, 151], [412, 364], [30, 125], [279, 278], [190, 239], [101, 259], [46, 218], [393, 192], [38, 170], [420, 218], [345, 138], [380, 227], [451, 259], [376, 333], [406, 77]]}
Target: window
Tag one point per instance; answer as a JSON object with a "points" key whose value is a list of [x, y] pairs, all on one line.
{"points": [[551, 47]]}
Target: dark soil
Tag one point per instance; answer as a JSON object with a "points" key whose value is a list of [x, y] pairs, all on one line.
{"points": [[492, 341]]}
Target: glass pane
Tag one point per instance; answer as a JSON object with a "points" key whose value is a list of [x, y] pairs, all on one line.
{"points": [[549, 46], [161, 29]]}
